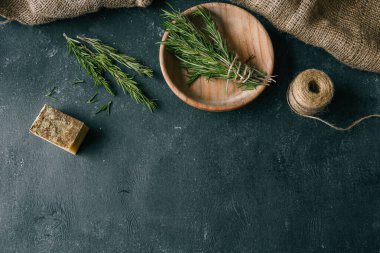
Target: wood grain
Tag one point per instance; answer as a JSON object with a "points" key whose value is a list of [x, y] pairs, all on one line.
{"points": [[246, 36]]}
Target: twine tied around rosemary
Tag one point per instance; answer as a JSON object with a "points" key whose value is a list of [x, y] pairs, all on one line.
{"points": [[240, 78], [310, 92], [248, 71]]}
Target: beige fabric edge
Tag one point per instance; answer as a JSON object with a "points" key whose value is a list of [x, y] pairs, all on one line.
{"points": [[36, 12], [355, 48]]}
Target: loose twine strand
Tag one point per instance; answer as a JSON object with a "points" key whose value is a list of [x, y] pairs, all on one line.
{"points": [[310, 92]]}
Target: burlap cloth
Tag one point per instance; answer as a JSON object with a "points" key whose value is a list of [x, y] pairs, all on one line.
{"points": [[348, 29], [34, 12]]}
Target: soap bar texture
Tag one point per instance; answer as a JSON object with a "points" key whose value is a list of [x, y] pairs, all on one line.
{"points": [[59, 129]]}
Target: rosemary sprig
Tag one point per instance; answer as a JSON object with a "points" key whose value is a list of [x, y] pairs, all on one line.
{"points": [[50, 93], [127, 83], [203, 52], [123, 59], [88, 62], [77, 81], [105, 107], [92, 99], [99, 62]]}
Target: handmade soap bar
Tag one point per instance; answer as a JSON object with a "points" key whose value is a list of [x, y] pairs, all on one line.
{"points": [[59, 129]]}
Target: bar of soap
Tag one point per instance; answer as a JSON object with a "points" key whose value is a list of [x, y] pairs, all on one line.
{"points": [[59, 129]]}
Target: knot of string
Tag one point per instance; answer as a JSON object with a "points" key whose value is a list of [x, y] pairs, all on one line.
{"points": [[236, 68]]}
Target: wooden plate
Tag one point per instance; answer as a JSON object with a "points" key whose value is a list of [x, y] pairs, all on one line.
{"points": [[246, 36]]}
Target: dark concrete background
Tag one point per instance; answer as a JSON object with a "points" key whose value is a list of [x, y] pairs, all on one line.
{"points": [[259, 179]]}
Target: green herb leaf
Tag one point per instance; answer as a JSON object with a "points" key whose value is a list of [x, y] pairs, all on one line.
{"points": [[78, 81], [51, 93], [105, 107], [92, 99]]}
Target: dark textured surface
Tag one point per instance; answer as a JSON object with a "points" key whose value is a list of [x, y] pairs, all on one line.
{"points": [[259, 179]]}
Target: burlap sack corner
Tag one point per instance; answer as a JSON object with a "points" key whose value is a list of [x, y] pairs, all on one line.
{"points": [[34, 12], [347, 29]]}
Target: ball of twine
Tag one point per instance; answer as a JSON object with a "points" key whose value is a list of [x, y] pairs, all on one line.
{"points": [[310, 92]]}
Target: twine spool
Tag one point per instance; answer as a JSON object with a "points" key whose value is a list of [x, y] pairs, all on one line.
{"points": [[310, 92]]}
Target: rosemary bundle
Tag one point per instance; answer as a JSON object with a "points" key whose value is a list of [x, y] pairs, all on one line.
{"points": [[203, 52], [99, 60]]}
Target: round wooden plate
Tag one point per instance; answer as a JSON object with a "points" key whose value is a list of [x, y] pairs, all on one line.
{"points": [[246, 36]]}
